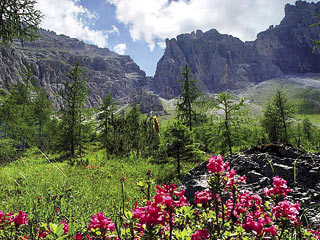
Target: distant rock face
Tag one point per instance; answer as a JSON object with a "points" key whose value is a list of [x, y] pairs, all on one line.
{"points": [[289, 45], [221, 62], [260, 164], [147, 102], [51, 57]]}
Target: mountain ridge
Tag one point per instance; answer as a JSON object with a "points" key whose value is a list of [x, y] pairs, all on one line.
{"points": [[51, 56], [222, 62]]}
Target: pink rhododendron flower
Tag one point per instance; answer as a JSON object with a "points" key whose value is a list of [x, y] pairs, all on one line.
{"points": [[65, 226], [216, 164], [252, 225], [203, 197], [101, 222], [77, 237], [42, 235], [168, 196], [20, 219], [286, 209], [25, 237], [315, 233], [2, 217], [200, 235], [150, 215], [242, 179], [279, 187], [272, 230]]}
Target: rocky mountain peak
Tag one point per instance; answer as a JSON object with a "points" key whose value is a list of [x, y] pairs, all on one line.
{"points": [[222, 62], [296, 14], [51, 56]]}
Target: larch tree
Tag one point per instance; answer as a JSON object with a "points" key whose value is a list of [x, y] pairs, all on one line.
{"points": [[277, 117], [230, 110], [74, 95], [188, 98], [106, 117], [19, 19]]}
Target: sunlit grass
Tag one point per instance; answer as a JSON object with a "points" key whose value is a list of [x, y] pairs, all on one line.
{"points": [[59, 189]]}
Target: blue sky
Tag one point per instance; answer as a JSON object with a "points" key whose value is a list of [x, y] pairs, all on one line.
{"points": [[139, 27]]}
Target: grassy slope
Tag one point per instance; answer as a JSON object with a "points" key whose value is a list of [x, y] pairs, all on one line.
{"points": [[299, 90], [303, 92], [38, 187], [34, 185]]}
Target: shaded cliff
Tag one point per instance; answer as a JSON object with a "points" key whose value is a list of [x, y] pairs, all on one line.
{"points": [[222, 62], [289, 45], [51, 57]]}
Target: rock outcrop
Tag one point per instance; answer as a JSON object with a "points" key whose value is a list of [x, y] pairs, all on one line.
{"points": [[218, 62], [221, 62], [289, 45], [51, 57], [147, 102], [300, 169]]}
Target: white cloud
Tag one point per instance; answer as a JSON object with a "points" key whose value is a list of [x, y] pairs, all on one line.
{"points": [[114, 30], [69, 18], [120, 48], [162, 44], [151, 20]]}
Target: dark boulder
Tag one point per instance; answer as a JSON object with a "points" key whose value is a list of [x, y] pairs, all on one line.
{"points": [[300, 169]]}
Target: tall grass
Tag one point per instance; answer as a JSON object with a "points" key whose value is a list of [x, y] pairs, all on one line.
{"points": [[52, 190]]}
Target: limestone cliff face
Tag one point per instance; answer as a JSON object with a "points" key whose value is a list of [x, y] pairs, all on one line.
{"points": [[220, 62], [289, 45], [51, 57]]}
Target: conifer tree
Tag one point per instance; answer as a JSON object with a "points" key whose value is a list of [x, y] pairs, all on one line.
{"points": [[188, 98], [43, 111], [106, 117], [228, 126], [133, 120], [18, 19], [180, 143], [277, 117], [307, 128], [74, 95], [24, 113], [150, 136], [17, 111]]}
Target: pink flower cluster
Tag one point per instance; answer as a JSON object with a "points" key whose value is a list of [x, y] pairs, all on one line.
{"points": [[246, 209], [279, 188], [65, 226], [151, 214], [101, 222], [220, 208], [168, 196], [315, 233], [287, 210], [200, 235], [203, 197], [20, 219], [158, 212], [216, 164]]}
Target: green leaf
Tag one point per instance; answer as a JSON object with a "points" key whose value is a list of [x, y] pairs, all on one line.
{"points": [[59, 231], [53, 227]]}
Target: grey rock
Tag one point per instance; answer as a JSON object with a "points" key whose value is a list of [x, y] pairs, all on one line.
{"points": [[147, 102], [289, 45], [221, 62], [51, 56], [256, 164]]}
